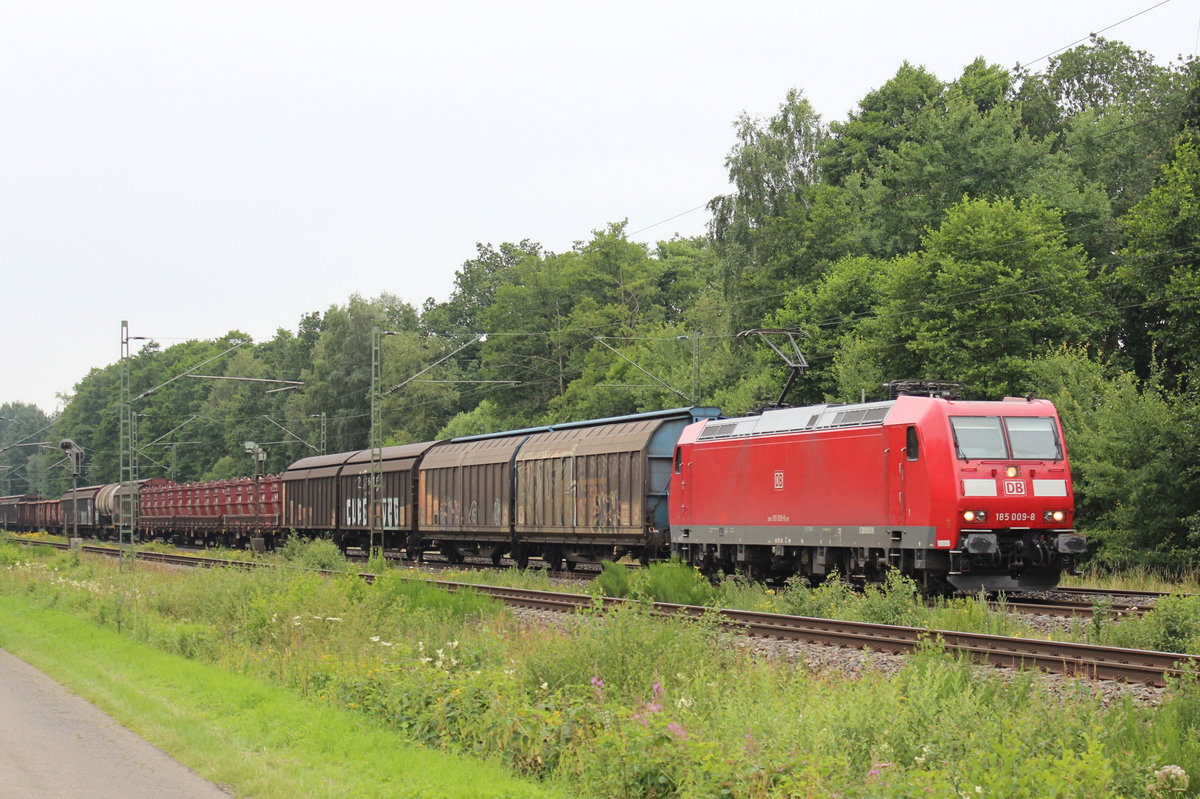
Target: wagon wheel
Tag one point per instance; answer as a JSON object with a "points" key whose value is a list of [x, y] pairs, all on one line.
{"points": [[450, 553]]}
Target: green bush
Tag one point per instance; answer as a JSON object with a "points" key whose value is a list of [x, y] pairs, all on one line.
{"points": [[674, 582], [313, 553], [1172, 625], [613, 581], [897, 601], [11, 554]]}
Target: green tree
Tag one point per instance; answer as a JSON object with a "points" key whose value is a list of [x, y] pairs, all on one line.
{"points": [[22, 427], [881, 123], [1160, 265], [1135, 459], [990, 289]]}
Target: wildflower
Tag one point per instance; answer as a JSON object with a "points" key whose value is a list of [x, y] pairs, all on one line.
{"points": [[657, 689], [677, 730], [598, 683], [683, 701], [1168, 781], [545, 686], [385, 643], [333, 618], [877, 769], [374, 639]]}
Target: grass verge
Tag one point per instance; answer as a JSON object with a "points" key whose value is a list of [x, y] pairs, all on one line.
{"points": [[236, 731]]}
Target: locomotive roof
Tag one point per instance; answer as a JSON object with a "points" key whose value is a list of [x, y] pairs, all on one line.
{"points": [[790, 420], [867, 414]]}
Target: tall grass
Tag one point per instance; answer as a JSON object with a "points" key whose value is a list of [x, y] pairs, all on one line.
{"points": [[627, 704]]}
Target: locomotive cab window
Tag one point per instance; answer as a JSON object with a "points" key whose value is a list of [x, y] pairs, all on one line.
{"points": [[1007, 438], [911, 445], [1033, 438], [678, 460], [978, 437]]}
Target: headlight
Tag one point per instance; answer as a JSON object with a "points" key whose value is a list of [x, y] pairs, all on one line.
{"points": [[974, 516], [1054, 515], [1011, 471]]}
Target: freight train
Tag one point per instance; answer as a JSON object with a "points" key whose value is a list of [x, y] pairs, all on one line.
{"points": [[958, 495]]}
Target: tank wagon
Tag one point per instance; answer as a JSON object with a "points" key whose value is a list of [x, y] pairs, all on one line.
{"points": [[976, 495]]}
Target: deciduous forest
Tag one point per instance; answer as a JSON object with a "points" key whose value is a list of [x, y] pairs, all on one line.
{"points": [[1017, 231]]}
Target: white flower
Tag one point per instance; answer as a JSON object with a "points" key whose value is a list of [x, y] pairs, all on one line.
{"points": [[375, 639]]}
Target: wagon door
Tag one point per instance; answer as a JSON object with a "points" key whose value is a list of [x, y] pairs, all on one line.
{"points": [[681, 487], [895, 464], [905, 479]]}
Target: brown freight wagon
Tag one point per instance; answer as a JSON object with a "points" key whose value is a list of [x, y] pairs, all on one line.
{"points": [[79, 511], [47, 515], [15, 511], [465, 496], [597, 490], [579, 492], [397, 491], [310, 493]]}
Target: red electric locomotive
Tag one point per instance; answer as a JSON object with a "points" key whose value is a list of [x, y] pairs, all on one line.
{"points": [[965, 495]]}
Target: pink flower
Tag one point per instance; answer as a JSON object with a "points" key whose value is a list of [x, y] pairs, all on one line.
{"points": [[677, 730]]}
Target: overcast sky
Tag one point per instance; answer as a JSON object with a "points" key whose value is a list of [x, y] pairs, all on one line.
{"points": [[233, 164]]}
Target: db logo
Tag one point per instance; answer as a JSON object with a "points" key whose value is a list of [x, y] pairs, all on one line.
{"points": [[1014, 488], [779, 481]]}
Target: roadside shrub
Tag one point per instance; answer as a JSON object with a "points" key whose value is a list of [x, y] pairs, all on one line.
{"points": [[1173, 625], [313, 553], [897, 601], [674, 582], [829, 600], [613, 581], [10, 554]]}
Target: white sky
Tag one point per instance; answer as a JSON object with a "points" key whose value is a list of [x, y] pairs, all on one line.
{"points": [[232, 164]]}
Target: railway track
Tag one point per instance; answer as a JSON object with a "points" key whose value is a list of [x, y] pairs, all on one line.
{"points": [[1065, 608], [1086, 660]]}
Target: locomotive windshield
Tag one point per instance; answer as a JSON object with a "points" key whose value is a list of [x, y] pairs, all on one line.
{"points": [[1006, 438]]}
